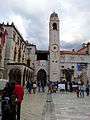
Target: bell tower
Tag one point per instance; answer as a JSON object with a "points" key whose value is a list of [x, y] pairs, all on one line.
{"points": [[54, 49]]}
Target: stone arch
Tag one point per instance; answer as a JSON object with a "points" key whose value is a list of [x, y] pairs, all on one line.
{"points": [[15, 75], [42, 77]]}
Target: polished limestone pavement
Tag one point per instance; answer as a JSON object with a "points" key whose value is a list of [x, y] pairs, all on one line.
{"points": [[56, 106], [69, 107], [33, 105]]}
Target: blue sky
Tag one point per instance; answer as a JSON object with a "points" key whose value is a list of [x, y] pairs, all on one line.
{"points": [[31, 17]]}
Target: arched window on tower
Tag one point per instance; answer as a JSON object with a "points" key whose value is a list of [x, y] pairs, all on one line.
{"points": [[54, 26]]}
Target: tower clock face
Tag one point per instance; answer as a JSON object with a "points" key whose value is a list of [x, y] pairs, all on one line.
{"points": [[54, 48]]}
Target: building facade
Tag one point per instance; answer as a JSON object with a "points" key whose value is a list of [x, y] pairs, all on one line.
{"points": [[3, 40], [62, 65], [16, 57], [21, 61]]}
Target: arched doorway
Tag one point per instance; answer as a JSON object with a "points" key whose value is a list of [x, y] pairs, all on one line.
{"points": [[15, 75], [42, 77], [68, 74]]}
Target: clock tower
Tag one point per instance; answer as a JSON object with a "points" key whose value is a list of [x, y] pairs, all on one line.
{"points": [[54, 50]]}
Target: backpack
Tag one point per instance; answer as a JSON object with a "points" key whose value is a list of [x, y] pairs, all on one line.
{"points": [[6, 104]]}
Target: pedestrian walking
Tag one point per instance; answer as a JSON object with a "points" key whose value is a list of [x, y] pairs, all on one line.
{"points": [[49, 87], [87, 88], [42, 85], [70, 85], [8, 102], [57, 85], [77, 90], [29, 86], [39, 86], [19, 92], [66, 86], [34, 87], [82, 89], [54, 87]]}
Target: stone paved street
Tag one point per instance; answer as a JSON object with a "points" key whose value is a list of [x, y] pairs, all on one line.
{"points": [[57, 106], [69, 107], [33, 106]]}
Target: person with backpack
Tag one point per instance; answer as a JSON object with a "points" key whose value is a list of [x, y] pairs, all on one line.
{"points": [[8, 102]]}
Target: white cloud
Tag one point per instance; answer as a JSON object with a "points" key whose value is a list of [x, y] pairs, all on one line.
{"points": [[19, 23], [32, 16]]}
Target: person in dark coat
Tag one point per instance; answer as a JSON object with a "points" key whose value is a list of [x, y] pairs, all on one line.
{"points": [[29, 86], [70, 85], [66, 86], [87, 88], [39, 86], [77, 90], [42, 86], [8, 106]]}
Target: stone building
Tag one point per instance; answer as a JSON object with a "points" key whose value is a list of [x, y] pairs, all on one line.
{"points": [[22, 61], [3, 38], [57, 65], [16, 58]]}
